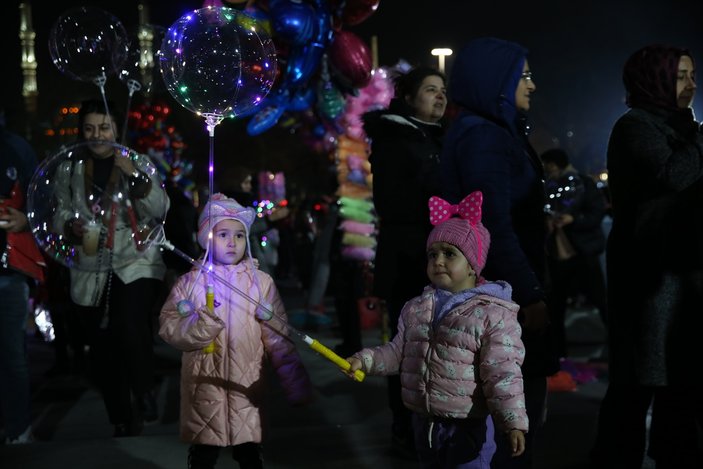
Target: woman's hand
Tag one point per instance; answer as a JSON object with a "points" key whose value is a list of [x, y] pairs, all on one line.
{"points": [[536, 317], [78, 227], [126, 166], [12, 220]]}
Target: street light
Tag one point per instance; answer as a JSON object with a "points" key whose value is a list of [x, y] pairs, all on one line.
{"points": [[441, 54]]}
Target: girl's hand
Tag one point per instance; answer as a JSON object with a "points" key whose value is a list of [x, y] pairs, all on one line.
{"points": [[517, 442], [355, 365]]}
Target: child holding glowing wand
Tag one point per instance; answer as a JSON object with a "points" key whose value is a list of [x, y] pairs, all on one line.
{"points": [[224, 343], [458, 349]]}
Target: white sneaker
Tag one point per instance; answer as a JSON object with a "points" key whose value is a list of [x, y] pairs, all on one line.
{"points": [[22, 439]]}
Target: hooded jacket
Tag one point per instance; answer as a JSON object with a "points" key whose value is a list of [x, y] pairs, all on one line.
{"points": [[223, 391], [459, 362], [487, 150]]}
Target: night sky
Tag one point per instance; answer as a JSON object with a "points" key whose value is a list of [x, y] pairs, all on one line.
{"points": [[577, 50]]}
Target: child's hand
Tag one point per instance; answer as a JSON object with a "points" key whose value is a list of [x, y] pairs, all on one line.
{"points": [[355, 365], [204, 311], [517, 442]]}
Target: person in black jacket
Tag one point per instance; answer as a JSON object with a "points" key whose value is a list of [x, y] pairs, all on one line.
{"points": [[17, 164], [655, 269], [575, 240], [405, 146]]}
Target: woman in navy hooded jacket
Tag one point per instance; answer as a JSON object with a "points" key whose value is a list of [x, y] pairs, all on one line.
{"points": [[487, 150]]}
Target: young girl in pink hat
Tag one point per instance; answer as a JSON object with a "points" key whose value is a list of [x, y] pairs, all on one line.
{"points": [[222, 374], [458, 348]]}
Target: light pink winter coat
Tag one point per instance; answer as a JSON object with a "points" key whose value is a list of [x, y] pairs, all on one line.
{"points": [[222, 392], [463, 367]]}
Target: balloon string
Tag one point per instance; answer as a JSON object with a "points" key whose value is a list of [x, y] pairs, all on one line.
{"points": [[100, 83], [123, 138]]}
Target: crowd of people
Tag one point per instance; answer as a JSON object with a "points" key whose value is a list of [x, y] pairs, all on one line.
{"points": [[481, 243]]}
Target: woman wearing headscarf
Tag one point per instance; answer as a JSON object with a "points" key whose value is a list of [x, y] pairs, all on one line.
{"points": [[655, 165], [405, 146], [487, 150]]}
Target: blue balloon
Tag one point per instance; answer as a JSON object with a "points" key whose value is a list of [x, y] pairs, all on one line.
{"points": [[265, 119], [218, 61], [294, 23]]}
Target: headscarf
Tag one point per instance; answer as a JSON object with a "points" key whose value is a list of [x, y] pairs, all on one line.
{"points": [[650, 75]]}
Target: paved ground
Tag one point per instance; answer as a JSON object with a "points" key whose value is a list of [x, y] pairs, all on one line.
{"points": [[346, 427]]}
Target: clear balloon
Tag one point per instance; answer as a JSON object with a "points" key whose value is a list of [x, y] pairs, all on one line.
{"points": [[139, 70], [85, 42], [88, 227], [218, 61]]}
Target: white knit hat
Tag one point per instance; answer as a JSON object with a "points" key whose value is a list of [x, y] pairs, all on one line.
{"points": [[221, 207]]}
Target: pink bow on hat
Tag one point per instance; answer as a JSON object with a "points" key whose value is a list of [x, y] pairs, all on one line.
{"points": [[468, 209]]}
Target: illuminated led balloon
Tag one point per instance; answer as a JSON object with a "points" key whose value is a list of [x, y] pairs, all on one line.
{"points": [[139, 70], [118, 220], [86, 41], [218, 61]]}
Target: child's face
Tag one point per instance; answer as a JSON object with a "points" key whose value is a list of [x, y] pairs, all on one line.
{"points": [[448, 269], [229, 242]]}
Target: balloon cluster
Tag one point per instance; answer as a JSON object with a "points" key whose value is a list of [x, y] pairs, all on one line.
{"points": [[322, 61]]}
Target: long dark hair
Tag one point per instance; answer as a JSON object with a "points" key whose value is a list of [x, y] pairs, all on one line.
{"points": [[408, 85]]}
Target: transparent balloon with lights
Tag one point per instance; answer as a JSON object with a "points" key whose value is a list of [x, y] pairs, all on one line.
{"points": [[94, 225], [218, 62], [85, 42]]}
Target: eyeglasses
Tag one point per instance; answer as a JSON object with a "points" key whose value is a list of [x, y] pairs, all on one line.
{"points": [[527, 76]]}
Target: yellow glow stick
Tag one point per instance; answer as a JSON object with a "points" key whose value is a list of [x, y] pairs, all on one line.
{"points": [[333, 357]]}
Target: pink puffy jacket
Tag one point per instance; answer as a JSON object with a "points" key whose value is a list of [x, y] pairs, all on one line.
{"points": [[463, 367], [222, 392]]}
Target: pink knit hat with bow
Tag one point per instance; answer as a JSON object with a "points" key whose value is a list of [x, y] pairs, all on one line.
{"points": [[467, 232], [218, 208]]}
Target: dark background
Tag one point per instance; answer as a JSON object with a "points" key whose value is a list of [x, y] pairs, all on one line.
{"points": [[577, 50]]}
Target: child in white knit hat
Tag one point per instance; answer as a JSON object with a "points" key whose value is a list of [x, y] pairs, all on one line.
{"points": [[222, 374], [458, 348]]}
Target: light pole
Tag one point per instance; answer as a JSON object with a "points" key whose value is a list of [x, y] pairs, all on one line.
{"points": [[441, 54]]}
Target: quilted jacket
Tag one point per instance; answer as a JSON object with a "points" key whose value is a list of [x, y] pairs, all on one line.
{"points": [[464, 366], [222, 391]]}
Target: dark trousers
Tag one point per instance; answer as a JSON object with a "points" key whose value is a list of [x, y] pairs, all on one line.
{"points": [[676, 430], [584, 271], [122, 354], [248, 455]]}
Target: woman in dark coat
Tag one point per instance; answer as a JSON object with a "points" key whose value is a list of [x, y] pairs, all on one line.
{"points": [[655, 268], [487, 150], [405, 148]]}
